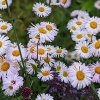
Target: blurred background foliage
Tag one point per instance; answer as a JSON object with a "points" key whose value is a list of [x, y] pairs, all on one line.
{"points": [[23, 16]]}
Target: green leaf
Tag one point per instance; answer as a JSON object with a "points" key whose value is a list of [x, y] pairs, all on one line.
{"points": [[88, 5]]}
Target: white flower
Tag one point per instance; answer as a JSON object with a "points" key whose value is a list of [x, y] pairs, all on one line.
{"points": [[95, 48], [5, 27], [13, 53], [97, 4], [83, 49], [79, 36], [75, 55], [68, 56], [13, 80], [9, 90], [65, 3], [29, 66], [47, 61], [54, 2], [45, 74], [59, 52], [79, 75], [63, 74], [59, 65], [51, 27], [3, 4], [93, 25], [40, 32], [95, 69], [6, 68], [41, 9], [74, 13], [44, 96], [31, 51], [4, 44]]}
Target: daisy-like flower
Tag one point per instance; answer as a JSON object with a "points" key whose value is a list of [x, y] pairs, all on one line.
{"points": [[98, 93], [5, 27], [3, 4], [75, 55], [47, 61], [97, 4], [6, 68], [41, 33], [4, 44], [65, 3], [79, 75], [9, 90], [59, 65], [63, 74], [29, 66], [59, 52], [13, 53], [73, 27], [31, 51], [51, 27], [83, 49], [83, 15], [95, 48], [13, 80], [79, 36], [50, 49], [41, 9], [45, 74], [93, 25], [44, 96], [95, 69], [68, 56]]}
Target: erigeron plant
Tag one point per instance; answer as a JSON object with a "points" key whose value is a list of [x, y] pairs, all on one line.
{"points": [[38, 65]]}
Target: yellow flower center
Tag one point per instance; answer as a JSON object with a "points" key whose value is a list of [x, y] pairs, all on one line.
{"points": [[58, 68], [47, 59], [64, 1], [32, 49], [0, 44], [15, 53], [84, 49], [37, 36], [3, 27], [82, 17], [65, 74], [79, 36], [10, 87], [3, 2], [68, 55], [43, 99], [97, 45], [5, 66], [97, 70], [59, 50], [45, 73], [79, 23], [93, 24], [41, 9], [49, 27], [41, 51], [41, 30], [13, 82], [98, 4], [75, 55], [80, 75], [74, 28], [89, 35]]}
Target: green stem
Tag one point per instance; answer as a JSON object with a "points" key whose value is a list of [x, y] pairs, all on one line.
{"points": [[9, 13], [93, 89]]}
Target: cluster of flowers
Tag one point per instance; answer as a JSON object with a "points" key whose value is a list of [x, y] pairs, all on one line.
{"points": [[84, 30]]}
